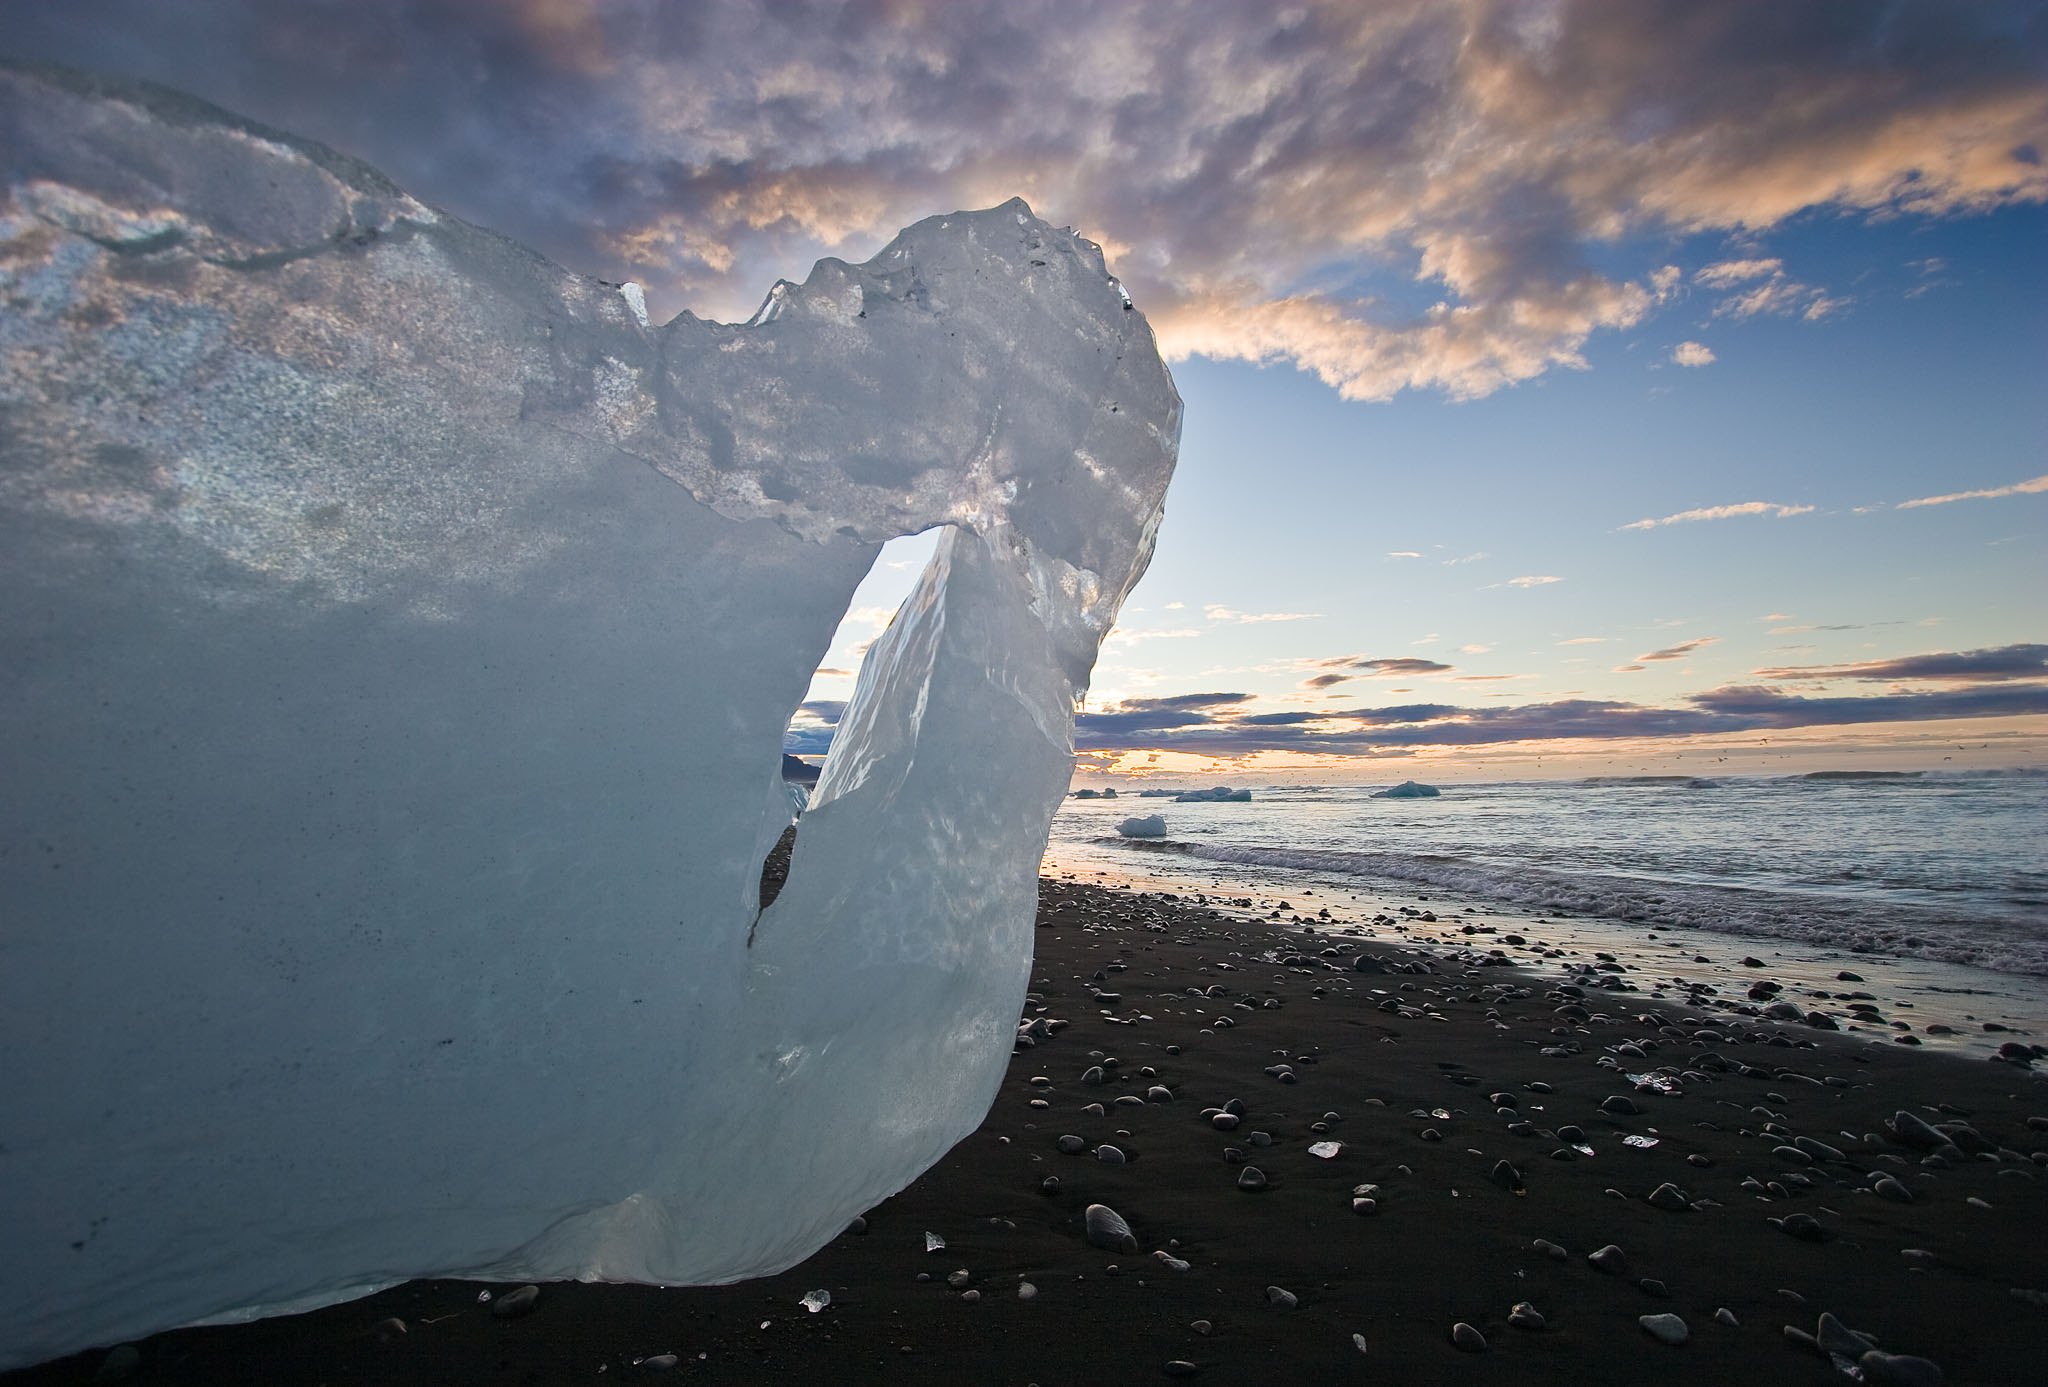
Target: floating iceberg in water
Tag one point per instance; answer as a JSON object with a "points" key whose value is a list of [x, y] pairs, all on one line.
{"points": [[1408, 789], [1149, 826], [1219, 794], [398, 636]]}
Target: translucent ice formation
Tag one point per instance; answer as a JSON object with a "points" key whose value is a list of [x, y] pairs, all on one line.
{"points": [[397, 634]]}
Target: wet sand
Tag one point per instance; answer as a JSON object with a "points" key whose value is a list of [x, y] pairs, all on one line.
{"points": [[1402, 1069]]}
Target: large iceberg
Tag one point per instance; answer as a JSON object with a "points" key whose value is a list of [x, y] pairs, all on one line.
{"points": [[397, 636]]}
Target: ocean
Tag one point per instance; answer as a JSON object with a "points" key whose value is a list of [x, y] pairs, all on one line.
{"points": [[1942, 868]]}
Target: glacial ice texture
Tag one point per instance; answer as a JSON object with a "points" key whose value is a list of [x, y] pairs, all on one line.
{"points": [[397, 634]]}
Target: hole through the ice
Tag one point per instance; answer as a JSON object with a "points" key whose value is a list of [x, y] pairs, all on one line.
{"points": [[808, 738]]}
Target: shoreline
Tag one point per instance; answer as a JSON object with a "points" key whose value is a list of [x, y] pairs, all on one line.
{"points": [[1398, 1068], [1940, 1005]]}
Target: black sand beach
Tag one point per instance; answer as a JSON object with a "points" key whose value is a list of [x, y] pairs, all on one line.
{"points": [[1766, 1152]]}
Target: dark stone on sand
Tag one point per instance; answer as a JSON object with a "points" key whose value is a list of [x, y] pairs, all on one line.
{"points": [[1225, 1121], [660, 1362], [1571, 1133], [1668, 1197], [1072, 1145], [1832, 1336], [1621, 1105], [1180, 1367], [1507, 1177], [513, 1304], [1819, 1150], [1251, 1179], [1898, 1370], [1650, 1285], [1467, 1338], [1549, 1249], [1106, 1229], [1888, 1188], [1908, 1130], [1525, 1316], [1805, 1227], [1111, 1155], [1281, 1299], [1669, 1328], [1609, 1259], [389, 1331], [1793, 1155]]}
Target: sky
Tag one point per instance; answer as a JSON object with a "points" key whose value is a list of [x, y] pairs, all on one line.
{"points": [[1570, 389]]}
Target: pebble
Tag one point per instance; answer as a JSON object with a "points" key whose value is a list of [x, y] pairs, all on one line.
{"points": [[1110, 1155], [1281, 1299], [1802, 1226], [1170, 1262], [1620, 1105], [1072, 1145], [1026, 1291], [1609, 1259], [1889, 1188], [1107, 1229], [1668, 1197], [1225, 1121], [1525, 1316], [1549, 1249], [1202, 1327], [1468, 1338], [513, 1304], [1180, 1367], [1507, 1177], [1835, 1337], [1726, 1316], [1898, 1370], [1251, 1179], [660, 1362], [389, 1331], [1358, 1342], [1669, 1328]]}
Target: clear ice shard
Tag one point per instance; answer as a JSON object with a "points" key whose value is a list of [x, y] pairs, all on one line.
{"points": [[397, 634]]}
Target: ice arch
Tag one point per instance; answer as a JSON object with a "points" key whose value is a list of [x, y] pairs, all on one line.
{"points": [[396, 637]]}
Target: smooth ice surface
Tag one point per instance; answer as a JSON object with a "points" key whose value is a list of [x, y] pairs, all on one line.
{"points": [[397, 634]]}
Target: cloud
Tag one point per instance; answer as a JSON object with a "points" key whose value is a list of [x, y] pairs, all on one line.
{"points": [[1532, 581], [1220, 613], [1474, 649], [825, 710], [1324, 681], [1373, 731], [1404, 195], [1692, 354], [1972, 666], [827, 671], [1778, 295], [1397, 668], [1120, 636], [1467, 558], [1587, 640], [1403, 554], [2032, 487], [1727, 273], [1677, 652], [1686, 517]]}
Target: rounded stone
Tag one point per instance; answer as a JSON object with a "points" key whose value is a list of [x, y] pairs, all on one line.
{"points": [[1467, 1338], [1666, 1327]]}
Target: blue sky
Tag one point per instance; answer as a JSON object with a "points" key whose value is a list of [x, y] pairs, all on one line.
{"points": [[1457, 295]]}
